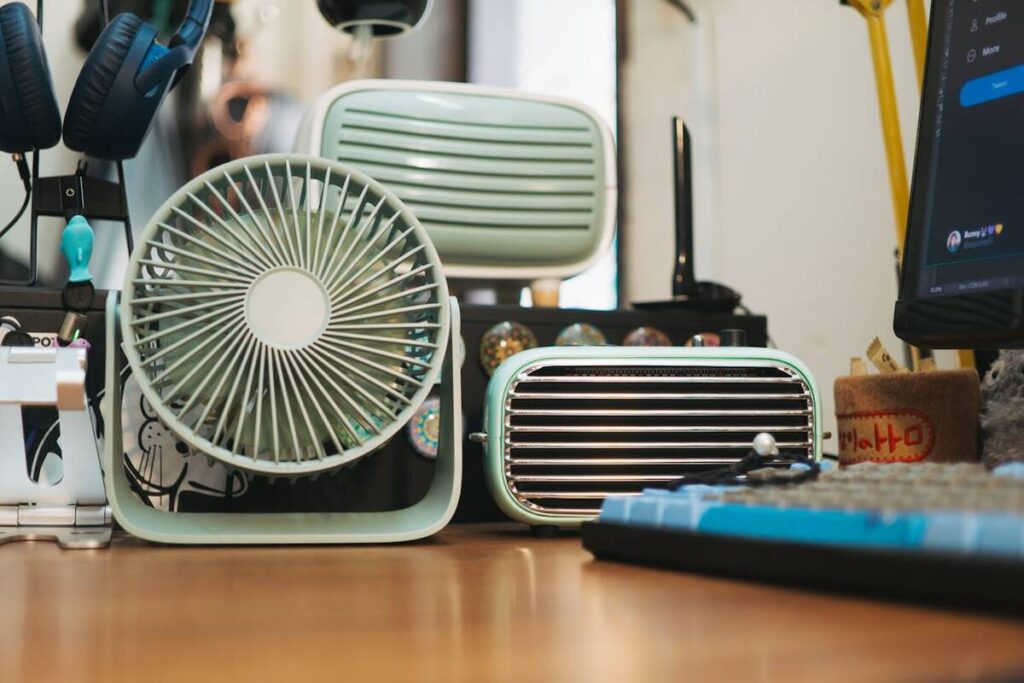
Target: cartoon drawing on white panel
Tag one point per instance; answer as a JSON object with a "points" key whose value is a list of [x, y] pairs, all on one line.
{"points": [[160, 466]]}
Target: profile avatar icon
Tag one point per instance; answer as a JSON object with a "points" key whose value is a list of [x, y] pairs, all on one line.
{"points": [[953, 241]]}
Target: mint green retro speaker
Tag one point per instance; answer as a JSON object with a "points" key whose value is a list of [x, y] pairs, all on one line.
{"points": [[508, 185], [286, 316], [568, 427]]}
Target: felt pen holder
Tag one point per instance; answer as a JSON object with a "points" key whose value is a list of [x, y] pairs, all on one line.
{"points": [[908, 417]]}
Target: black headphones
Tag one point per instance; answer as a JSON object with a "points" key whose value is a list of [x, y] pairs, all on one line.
{"points": [[118, 91]]}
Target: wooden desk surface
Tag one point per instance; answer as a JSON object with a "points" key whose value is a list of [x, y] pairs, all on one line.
{"points": [[476, 604]]}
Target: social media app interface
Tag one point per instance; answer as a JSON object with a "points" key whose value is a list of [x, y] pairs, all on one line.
{"points": [[974, 215]]}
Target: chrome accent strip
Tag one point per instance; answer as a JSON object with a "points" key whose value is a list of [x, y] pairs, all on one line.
{"points": [[620, 462], [563, 512], [658, 429], [581, 495], [688, 379], [642, 445], [588, 478], [641, 396], [656, 413]]}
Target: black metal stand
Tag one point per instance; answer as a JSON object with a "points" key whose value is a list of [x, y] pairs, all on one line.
{"points": [[77, 195], [73, 195], [687, 292]]}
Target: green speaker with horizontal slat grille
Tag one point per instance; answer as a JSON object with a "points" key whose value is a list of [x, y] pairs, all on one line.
{"points": [[567, 427], [507, 185]]}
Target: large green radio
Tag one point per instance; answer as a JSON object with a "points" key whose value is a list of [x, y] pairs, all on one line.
{"points": [[508, 185]]}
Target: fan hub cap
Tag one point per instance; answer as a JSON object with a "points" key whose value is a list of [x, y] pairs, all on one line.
{"points": [[287, 308]]}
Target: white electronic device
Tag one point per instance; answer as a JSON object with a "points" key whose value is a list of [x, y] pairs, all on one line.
{"points": [[70, 506]]}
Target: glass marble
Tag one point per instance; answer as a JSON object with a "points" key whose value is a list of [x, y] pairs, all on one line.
{"points": [[646, 336], [425, 427], [710, 339], [580, 334], [503, 340]]}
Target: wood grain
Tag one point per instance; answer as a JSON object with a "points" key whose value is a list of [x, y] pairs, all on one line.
{"points": [[474, 604]]}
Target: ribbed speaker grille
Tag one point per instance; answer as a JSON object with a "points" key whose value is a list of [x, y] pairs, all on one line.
{"points": [[487, 177], [575, 435]]}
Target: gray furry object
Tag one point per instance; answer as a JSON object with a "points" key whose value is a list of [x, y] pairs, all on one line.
{"points": [[1002, 410]]}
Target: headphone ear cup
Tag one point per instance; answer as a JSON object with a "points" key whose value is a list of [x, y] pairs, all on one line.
{"points": [[95, 82], [29, 116]]}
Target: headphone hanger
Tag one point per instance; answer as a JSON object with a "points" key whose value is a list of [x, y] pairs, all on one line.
{"points": [[96, 198], [64, 196]]}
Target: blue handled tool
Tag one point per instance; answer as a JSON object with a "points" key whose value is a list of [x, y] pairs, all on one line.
{"points": [[76, 244]]}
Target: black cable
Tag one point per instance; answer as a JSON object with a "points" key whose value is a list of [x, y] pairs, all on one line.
{"points": [[685, 9], [17, 216], [735, 474], [26, 181]]}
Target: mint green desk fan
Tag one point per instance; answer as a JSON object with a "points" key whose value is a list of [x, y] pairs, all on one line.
{"points": [[285, 315]]}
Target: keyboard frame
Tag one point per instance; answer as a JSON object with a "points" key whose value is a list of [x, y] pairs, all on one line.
{"points": [[948, 579]]}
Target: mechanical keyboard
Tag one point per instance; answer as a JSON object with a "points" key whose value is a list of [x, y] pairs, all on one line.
{"points": [[947, 532]]}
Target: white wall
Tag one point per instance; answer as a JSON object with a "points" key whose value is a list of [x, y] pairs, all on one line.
{"points": [[659, 76], [294, 50], [806, 230], [564, 48]]}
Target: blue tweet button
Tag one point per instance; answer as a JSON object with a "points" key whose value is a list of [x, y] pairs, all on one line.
{"points": [[993, 87]]}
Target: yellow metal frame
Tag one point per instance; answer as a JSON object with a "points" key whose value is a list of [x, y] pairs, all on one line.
{"points": [[918, 35], [873, 12]]}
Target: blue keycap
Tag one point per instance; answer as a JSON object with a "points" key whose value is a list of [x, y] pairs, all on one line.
{"points": [[999, 534], [783, 514], [1010, 469], [615, 510], [646, 510], [815, 526]]}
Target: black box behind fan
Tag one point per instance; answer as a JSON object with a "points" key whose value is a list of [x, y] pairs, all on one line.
{"points": [[394, 477], [476, 504]]}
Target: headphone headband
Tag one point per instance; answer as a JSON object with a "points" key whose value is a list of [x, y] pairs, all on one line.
{"points": [[193, 27], [183, 45]]}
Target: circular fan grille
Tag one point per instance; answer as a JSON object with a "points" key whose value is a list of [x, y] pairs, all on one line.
{"points": [[284, 314]]}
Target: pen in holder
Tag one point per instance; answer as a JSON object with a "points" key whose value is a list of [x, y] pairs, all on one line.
{"points": [[901, 416]]}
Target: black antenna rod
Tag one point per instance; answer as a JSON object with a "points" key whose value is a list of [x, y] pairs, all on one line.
{"points": [[683, 280]]}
